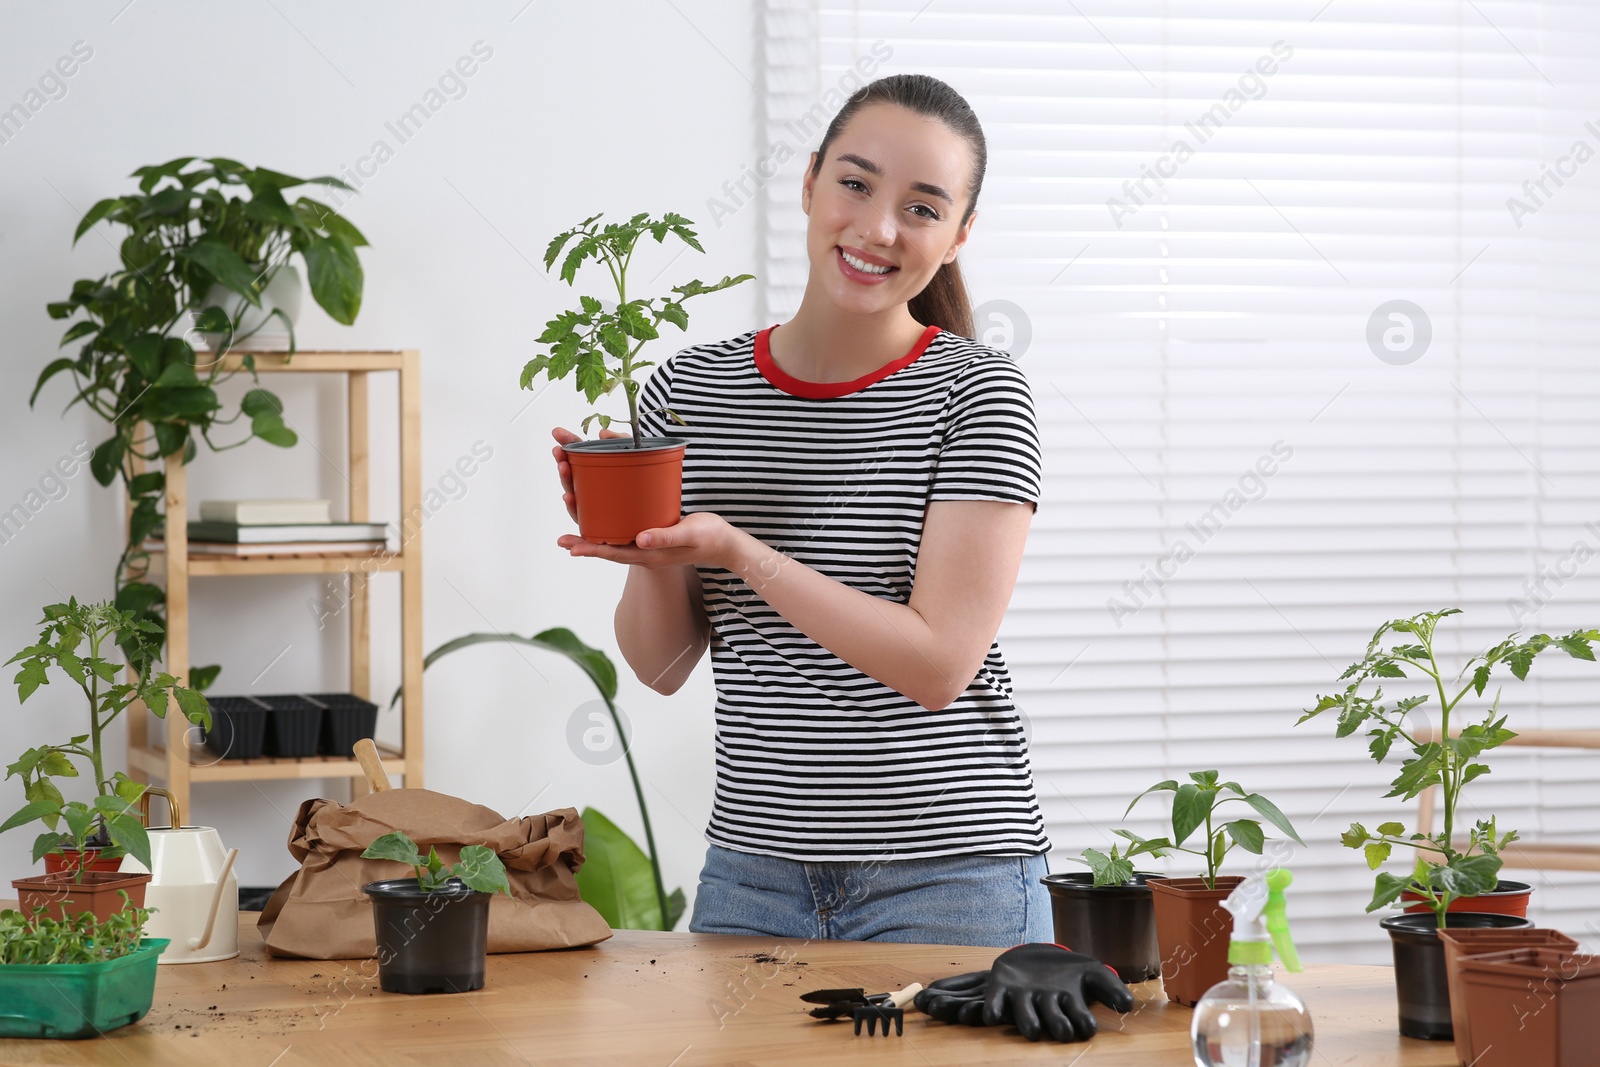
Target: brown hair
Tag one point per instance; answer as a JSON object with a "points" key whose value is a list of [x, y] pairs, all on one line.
{"points": [[944, 302]]}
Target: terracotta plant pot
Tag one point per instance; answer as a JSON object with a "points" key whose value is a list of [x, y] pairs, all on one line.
{"points": [[69, 859], [1421, 985], [1193, 929], [1116, 924], [1533, 1006], [1459, 943], [1507, 898], [620, 490], [59, 896]]}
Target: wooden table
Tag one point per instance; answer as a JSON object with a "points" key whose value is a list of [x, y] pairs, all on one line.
{"points": [[659, 1000]]}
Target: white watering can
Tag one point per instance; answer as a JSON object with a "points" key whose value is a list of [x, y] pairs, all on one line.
{"points": [[193, 889]]}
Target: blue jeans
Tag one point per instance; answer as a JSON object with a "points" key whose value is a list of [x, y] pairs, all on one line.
{"points": [[994, 901]]}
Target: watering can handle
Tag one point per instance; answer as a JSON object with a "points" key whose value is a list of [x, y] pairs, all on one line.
{"points": [[174, 819], [216, 900]]}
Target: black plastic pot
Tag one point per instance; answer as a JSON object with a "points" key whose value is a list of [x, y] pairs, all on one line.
{"points": [[1421, 984], [293, 728], [346, 719], [429, 942], [238, 726], [1116, 924]]}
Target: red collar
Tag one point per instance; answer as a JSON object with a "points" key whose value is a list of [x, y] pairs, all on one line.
{"points": [[825, 390]]}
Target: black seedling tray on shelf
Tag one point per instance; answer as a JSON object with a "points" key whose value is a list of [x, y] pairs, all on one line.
{"points": [[238, 726], [346, 719], [293, 728]]}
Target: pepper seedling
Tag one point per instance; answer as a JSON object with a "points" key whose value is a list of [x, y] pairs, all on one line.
{"points": [[479, 869]]}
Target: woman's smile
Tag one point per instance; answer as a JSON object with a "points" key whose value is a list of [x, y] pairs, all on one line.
{"points": [[862, 267]]}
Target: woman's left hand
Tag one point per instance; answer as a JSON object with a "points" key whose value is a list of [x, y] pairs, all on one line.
{"points": [[700, 538]]}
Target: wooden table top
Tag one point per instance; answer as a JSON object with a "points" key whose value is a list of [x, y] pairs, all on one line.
{"points": [[661, 1000]]}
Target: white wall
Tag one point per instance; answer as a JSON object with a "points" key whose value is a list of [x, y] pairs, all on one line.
{"points": [[617, 107]]}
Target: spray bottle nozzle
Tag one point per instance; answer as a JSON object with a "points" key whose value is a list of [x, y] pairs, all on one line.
{"points": [[1260, 920]]}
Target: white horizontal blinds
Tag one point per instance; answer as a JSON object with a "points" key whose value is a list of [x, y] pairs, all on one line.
{"points": [[1227, 460]]}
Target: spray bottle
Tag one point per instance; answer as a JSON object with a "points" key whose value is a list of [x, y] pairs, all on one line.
{"points": [[1250, 1020]]}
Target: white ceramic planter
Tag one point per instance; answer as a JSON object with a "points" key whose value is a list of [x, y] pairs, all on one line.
{"points": [[284, 292]]}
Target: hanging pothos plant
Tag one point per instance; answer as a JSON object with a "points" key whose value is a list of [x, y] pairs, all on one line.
{"points": [[197, 230]]}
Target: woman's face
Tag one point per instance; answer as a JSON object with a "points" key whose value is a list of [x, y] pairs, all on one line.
{"points": [[890, 194]]}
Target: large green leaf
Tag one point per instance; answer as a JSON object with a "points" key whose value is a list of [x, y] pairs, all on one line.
{"points": [[224, 264], [615, 877], [335, 276], [1190, 806], [595, 663], [395, 846], [1270, 811]]}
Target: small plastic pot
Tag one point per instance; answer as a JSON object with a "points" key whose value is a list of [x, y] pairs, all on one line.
{"points": [[238, 727], [620, 490], [1194, 930], [1532, 1006], [97, 893], [70, 859], [78, 1000], [1422, 985], [346, 719], [1463, 943], [1116, 924], [429, 942], [1506, 898], [293, 727]]}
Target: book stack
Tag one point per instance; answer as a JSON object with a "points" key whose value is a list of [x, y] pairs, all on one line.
{"points": [[243, 528]]}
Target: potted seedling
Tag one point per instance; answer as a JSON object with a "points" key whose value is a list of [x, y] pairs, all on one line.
{"points": [[1108, 912], [626, 484], [433, 928], [1192, 926], [75, 977], [1455, 883], [81, 641]]}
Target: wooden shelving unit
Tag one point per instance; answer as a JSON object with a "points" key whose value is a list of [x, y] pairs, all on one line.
{"points": [[178, 762]]}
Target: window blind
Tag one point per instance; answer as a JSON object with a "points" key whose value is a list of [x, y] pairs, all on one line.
{"points": [[1306, 296]]}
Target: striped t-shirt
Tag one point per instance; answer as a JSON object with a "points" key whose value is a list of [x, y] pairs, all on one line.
{"points": [[815, 759]]}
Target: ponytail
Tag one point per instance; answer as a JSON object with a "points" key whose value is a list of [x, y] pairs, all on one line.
{"points": [[944, 302]]}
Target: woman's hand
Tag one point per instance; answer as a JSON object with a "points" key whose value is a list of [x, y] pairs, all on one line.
{"points": [[699, 538], [564, 469]]}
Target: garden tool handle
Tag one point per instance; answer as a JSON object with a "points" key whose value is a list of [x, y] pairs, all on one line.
{"points": [[367, 755], [173, 818], [904, 998], [216, 900]]}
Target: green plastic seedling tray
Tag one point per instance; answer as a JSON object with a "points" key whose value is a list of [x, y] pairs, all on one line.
{"points": [[73, 1000]]}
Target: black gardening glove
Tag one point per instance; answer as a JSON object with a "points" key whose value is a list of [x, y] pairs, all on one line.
{"points": [[1037, 987]]}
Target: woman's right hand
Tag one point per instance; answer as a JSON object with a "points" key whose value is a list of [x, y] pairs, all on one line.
{"points": [[564, 469]]}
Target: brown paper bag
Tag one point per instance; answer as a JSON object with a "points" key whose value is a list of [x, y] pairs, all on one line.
{"points": [[321, 913]]}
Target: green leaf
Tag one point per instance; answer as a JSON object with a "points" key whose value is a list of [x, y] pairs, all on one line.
{"points": [[595, 663], [482, 870], [1387, 890], [1169, 786], [1520, 659], [1247, 834], [675, 906], [100, 210], [1576, 646], [37, 809], [29, 678], [1270, 812], [336, 278], [1391, 829], [1467, 876], [1190, 806], [396, 846], [1377, 854], [200, 678], [1354, 837], [54, 367], [128, 834], [673, 312], [616, 878], [195, 708], [106, 459], [226, 266]]}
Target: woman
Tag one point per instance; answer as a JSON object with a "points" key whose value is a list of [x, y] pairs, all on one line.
{"points": [[858, 487]]}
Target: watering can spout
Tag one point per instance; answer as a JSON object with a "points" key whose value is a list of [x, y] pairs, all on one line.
{"points": [[197, 943]]}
